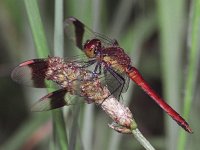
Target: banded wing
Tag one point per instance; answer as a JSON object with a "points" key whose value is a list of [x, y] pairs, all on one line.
{"points": [[80, 33], [32, 73], [55, 100]]}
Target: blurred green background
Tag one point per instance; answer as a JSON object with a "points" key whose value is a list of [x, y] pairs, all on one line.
{"points": [[162, 39]]}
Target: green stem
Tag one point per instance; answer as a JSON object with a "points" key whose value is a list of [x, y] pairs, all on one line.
{"points": [[42, 51], [60, 136], [143, 141], [191, 78], [37, 28], [58, 29], [171, 20]]}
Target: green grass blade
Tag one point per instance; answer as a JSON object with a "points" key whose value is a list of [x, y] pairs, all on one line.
{"points": [[74, 129], [60, 137], [117, 26], [42, 51], [142, 140], [171, 16], [191, 79], [58, 29], [88, 125], [37, 28]]}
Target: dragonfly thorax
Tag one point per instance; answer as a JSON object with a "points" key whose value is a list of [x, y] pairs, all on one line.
{"points": [[92, 48], [116, 58]]}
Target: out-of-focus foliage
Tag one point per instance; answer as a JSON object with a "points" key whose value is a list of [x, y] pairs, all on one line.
{"points": [[154, 34]]}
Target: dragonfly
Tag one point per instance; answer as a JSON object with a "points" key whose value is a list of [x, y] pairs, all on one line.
{"points": [[75, 83], [108, 58]]}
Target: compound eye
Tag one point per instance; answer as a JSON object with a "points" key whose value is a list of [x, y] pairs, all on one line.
{"points": [[91, 47], [90, 52]]}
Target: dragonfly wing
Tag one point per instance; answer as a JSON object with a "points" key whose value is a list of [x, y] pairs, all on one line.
{"points": [[126, 84], [117, 83], [80, 33], [81, 60], [32, 73], [75, 30], [55, 100]]}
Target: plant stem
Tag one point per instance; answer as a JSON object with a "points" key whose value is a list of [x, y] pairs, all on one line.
{"points": [[42, 51], [171, 20], [194, 52], [60, 137], [143, 141], [58, 29], [37, 28]]}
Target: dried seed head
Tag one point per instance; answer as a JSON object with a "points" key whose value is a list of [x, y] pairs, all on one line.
{"points": [[83, 82]]}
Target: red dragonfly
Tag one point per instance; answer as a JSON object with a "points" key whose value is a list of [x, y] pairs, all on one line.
{"points": [[74, 80], [108, 57]]}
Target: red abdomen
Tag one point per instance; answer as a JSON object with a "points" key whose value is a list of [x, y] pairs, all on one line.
{"points": [[134, 74]]}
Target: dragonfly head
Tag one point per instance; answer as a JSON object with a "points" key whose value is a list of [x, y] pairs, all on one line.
{"points": [[92, 47]]}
